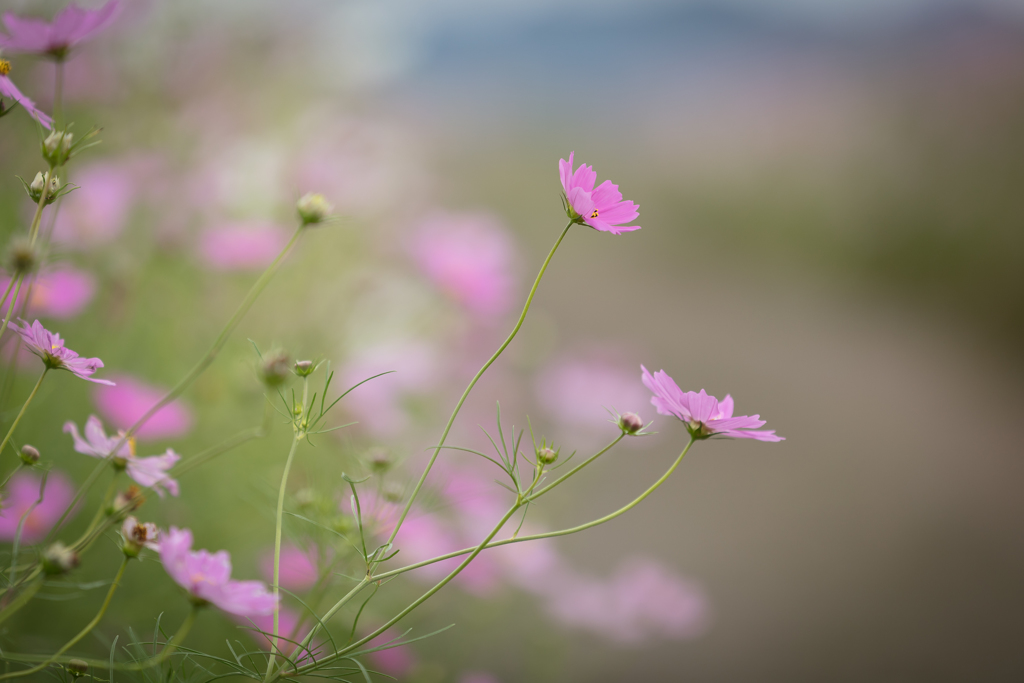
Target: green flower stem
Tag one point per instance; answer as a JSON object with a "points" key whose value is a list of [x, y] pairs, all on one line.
{"points": [[10, 432], [10, 307], [302, 421], [472, 383], [550, 534], [304, 644], [416, 603], [7, 292], [81, 634], [194, 373], [104, 664], [576, 469], [58, 94]]}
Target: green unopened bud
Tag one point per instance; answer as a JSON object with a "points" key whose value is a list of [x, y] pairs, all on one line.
{"points": [[313, 208], [39, 183], [305, 498], [29, 454], [22, 257], [78, 667], [304, 368], [630, 423], [380, 462], [546, 455], [274, 370], [59, 559], [393, 494], [129, 500], [57, 147]]}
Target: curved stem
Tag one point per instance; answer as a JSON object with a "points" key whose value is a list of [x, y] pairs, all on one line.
{"points": [[576, 469], [549, 534], [472, 383], [10, 432], [81, 634], [7, 292], [10, 308]]}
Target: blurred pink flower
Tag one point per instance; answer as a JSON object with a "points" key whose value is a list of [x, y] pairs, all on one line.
{"points": [[8, 89], [124, 404], [395, 661], [150, 471], [642, 601], [21, 494], [576, 392], [601, 208], [378, 404], [424, 536], [241, 246], [87, 77], [50, 348], [298, 568], [703, 415], [71, 26], [96, 213], [470, 258], [286, 622], [58, 292], [207, 576]]}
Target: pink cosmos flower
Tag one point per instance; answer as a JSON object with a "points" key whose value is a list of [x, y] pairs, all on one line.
{"points": [[50, 348], [99, 211], [22, 493], [469, 257], [148, 472], [703, 415], [129, 400], [71, 26], [241, 246], [8, 89], [601, 208], [142, 535], [577, 391], [207, 577], [298, 568], [60, 292]]}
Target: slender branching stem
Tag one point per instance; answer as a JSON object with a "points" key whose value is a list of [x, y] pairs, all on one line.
{"points": [[472, 383], [576, 469], [81, 634], [21, 413]]}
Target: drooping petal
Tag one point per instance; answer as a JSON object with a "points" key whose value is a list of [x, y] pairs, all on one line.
{"points": [[152, 472], [244, 598]]}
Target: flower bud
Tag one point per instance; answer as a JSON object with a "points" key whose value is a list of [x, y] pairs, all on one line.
{"points": [[29, 454], [313, 208], [305, 498], [304, 368], [274, 370], [57, 147], [129, 500], [22, 257], [546, 456], [630, 423], [59, 559], [39, 183], [78, 667], [380, 462], [393, 494]]}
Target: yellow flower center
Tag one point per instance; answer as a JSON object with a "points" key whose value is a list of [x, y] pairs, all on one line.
{"points": [[5, 67], [594, 215], [198, 577]]}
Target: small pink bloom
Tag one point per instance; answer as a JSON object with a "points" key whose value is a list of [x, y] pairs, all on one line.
{"points": [[298, 568], [129, 400], [207, 577], [142, 535], [21, 494], [470, 258], [59, 292], [242, 246], [150, 472], [71, 26], [601, 208], [50, 348], [703, 415], [8, 89], [98, 212]]}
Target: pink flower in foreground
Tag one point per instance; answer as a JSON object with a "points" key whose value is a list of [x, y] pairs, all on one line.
{"points": [[69, 27], [601, 208], [207, 577], [703, 415], [50, 348], [469, 257], [8, 89], [21, 494], [150, 472], [127, 401], [60, 292], [298, 569], [241, 246]]}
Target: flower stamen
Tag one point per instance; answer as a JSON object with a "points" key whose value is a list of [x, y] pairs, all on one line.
{"points": [[594, 215], [5, 67]]}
